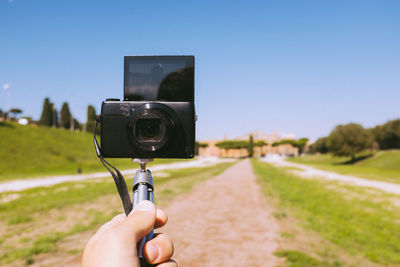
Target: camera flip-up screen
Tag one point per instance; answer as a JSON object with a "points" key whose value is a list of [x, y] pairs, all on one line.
{"points": [[159, 78]]}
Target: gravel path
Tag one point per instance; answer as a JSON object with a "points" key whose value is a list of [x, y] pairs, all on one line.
{"points": [[309, 172], [224, 221]]}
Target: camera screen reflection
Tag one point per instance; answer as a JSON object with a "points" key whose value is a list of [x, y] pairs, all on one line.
{"points": [[160, 80]]}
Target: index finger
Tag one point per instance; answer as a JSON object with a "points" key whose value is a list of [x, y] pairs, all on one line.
{"points": [[161, 218]]}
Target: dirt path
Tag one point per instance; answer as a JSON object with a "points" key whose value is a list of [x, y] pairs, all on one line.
{"points": [[224, 222], [309, 172]]}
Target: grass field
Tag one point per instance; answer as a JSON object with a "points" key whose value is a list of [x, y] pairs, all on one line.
{"points": [[383, 165], [51, 223], [28, 151], [344, 225]]}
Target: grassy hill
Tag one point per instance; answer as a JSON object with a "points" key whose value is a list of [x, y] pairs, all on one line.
{"points": [[29, 151], [383, 165]]}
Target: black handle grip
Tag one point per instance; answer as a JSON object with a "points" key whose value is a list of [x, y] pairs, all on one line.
{"points": [[144, 263]]}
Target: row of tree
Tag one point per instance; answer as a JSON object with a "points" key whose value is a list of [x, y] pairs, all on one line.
{"points": [[299, 143], [251, 144], [240, 144], [352, 138], [52, 118], [11, 114]]}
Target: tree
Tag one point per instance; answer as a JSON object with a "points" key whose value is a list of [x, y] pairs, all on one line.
{"points": [[349, 139], [320, 146], [15, 112], [198, 145], [301, 144], [232, 144], [65, 120], [260, 143], [54, 122], [388, 134], [91, 119], [46, 119], [284, 142], [77, 125], [250, 147]]}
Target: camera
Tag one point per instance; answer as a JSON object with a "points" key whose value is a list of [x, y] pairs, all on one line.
{"points": [[156, 118]]}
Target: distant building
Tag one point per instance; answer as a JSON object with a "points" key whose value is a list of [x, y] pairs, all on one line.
{"points": [[259, 151]]}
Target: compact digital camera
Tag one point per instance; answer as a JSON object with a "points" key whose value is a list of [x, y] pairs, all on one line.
{"points": [[157, 117]]}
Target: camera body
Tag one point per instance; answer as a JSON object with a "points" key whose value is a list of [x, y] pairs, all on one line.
{"points": [[157, 117]]}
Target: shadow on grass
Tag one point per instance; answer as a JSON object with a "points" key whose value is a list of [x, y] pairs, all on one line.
{"points": [[6, 124], [355, 160]]}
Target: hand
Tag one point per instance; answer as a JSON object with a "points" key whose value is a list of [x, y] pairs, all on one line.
{"points": [[115, 242]]}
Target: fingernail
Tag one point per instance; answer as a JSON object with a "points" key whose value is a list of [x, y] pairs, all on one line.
{"points": [[146, 206], [152, 252]]}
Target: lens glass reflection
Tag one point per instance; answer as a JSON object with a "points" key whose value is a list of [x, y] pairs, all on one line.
{"points": [[151, 130]]}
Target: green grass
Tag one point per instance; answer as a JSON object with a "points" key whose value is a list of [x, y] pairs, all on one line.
{"points": [[383, 165], [362, 226], [48, 242], [33, 204], [300, 259], [42, 199], [18, 219], [29, 151]]}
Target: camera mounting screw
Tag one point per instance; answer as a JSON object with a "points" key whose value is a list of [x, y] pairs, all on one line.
{"points": [[143, 163]]}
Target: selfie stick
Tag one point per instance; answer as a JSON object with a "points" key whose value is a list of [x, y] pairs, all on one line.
{"points": [[143, 190]]}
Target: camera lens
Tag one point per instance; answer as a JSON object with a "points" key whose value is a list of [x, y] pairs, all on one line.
{"points": [[149, 129]]}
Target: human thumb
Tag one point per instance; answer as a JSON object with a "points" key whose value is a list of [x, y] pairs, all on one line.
{"points": [[142, 219]]}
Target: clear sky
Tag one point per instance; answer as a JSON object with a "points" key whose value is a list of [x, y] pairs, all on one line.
{"points": [[298, 67]]}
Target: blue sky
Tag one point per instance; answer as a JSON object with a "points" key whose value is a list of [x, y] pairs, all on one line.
{"points": [[298, 67]]}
